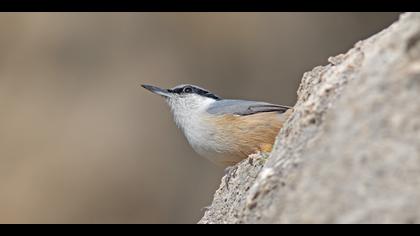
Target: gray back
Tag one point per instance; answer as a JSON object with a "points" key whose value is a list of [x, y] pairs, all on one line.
{"points": [[243, 107]]}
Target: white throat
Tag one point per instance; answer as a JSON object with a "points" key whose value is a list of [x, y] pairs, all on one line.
{"points": [[192, 118], [189, 111]]}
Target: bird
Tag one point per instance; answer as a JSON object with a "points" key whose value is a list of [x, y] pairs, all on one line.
{"points": [[225, 131]]}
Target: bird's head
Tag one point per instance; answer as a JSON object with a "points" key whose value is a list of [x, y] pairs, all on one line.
{"points": [[185, 99]]}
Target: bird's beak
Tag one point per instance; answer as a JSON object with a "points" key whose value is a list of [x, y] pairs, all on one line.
{"points": [[160, 91]]}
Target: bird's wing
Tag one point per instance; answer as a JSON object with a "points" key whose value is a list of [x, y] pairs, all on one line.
{"points": [[243, 107]]}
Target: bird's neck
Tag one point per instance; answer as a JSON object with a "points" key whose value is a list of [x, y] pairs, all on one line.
{"points": [[188, 115]]}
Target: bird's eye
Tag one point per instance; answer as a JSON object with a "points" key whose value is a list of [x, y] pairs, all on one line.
{"points": [[188, 90]]}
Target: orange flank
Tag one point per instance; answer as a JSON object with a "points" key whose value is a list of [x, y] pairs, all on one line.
{"points": [[252, 133]]}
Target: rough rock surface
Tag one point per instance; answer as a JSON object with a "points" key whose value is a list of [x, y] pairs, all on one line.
{"points": [[350, 152]]}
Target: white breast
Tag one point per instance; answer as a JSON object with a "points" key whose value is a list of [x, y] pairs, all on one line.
{"points": [[191, 117], [207, 141]]}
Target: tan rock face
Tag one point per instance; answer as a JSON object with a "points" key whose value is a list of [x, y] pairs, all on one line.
{"points": [[350, 152]]}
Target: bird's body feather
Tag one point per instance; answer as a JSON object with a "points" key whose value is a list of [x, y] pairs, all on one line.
{"points": [[243, 107], [245, 134], [225, 131]]}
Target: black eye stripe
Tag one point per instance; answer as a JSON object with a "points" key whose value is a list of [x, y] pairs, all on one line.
{"points": [[191, 89], [202, 92], [177, 90]]}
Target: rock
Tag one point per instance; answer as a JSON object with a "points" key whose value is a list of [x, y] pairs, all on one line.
{"points": [[350, 152]]}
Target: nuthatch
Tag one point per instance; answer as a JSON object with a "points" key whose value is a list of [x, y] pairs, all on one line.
{"points": [[225, 131]]}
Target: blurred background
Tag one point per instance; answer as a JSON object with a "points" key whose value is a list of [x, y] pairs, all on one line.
{"points": [[82, 142]]}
